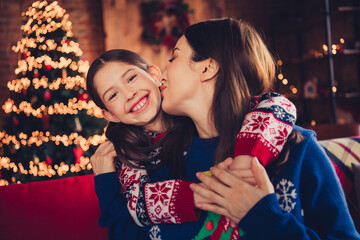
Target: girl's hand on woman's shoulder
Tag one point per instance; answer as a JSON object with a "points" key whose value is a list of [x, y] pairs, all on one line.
{"points": [[102, 161]]}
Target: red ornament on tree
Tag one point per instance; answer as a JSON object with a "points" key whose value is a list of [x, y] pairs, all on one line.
{"points": [[78, 152], [24, 91], [48, 161], [47, 95], [47, 67], [36, 73], [24, 56], [16, 122], [83, 96], [45, 120], [67, 41]]}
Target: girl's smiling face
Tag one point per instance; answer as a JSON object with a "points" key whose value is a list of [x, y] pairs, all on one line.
{"points": [[129, 94]]}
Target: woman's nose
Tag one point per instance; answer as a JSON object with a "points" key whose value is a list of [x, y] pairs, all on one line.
{"points": [[163, 77]]}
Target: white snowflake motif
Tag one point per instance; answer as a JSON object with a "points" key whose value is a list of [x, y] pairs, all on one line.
{"points": [[291, 119], [286, 195], [279, 112], [154, 233]]}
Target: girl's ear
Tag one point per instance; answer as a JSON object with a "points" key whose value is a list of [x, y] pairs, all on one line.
{"points": [[155, 73], [209, 69], [109, 116]]}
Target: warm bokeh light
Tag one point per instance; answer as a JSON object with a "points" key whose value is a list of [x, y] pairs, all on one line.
{"points": [[52, 72]]}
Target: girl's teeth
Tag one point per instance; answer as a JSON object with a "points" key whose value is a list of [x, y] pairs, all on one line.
{"points": [[140, 104]]}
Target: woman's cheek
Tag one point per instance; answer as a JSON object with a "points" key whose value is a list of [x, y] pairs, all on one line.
{"points": [[167, 105]]}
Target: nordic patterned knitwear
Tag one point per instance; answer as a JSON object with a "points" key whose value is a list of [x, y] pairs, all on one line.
{"points": [[272, 116]]}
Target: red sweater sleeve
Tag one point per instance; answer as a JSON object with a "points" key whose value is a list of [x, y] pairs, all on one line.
{"points": [[170, 201], [266, 128]]}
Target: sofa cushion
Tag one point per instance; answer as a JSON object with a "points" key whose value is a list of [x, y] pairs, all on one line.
{"points": [[356, 170], [344, 153]]}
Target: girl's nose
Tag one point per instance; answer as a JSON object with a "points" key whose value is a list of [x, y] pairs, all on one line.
{"points": [[130, 95]]}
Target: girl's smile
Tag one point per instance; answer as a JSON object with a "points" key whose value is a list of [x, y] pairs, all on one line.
{"points": [[140, 105]]}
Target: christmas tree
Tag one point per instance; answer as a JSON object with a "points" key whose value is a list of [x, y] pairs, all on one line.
{"points": [[51, 127]]}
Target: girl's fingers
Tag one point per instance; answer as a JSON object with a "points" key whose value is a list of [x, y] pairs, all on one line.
{"points": [[102, 146], [107, 148], [209, 195], [225, 177], [242, 173], [212, 183], [225, 164]]}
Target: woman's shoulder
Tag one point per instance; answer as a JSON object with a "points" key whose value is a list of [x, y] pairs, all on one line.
{"points": [[306, 133], [308, 148], [302, 141]]}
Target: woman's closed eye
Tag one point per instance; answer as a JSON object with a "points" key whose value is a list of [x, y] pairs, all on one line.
{"points": [[171, 59]]}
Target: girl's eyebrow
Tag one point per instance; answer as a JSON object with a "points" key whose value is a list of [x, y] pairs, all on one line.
{"points": [[130, 69]]}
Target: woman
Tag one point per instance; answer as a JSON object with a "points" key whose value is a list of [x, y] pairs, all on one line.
{"points": [[222, 64], [212, 82]]}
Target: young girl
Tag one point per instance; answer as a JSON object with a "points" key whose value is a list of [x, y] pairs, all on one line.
{"points": [[129, 96]]}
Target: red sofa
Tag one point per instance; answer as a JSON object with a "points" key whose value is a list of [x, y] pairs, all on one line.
{"points": [[68, 208], [62, 209]]}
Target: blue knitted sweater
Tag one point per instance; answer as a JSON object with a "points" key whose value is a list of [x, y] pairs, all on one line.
{"points": [[308, 202]]}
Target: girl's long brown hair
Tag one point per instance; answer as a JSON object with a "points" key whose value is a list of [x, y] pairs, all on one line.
{"points": [[246, 69], [132, 144]]}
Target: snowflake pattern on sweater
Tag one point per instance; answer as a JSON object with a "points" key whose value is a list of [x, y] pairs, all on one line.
{"points": [[286, 195]]}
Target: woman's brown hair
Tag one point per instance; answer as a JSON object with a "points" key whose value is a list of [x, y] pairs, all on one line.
{"points": [[132, 144], [246, 69]]}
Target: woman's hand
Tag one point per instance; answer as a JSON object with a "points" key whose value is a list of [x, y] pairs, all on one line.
{"points": [[230, 195], [102, 161], [201, 199]]}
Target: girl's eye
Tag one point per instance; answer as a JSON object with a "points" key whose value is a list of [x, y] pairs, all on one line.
{"points": [[131, 78], [171, 59], [112, 96]]}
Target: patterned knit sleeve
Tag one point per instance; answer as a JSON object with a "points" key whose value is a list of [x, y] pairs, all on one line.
{"points": [[266, 128], [149, 203]]}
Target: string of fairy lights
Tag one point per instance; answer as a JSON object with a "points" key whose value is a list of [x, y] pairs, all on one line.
{"points": [[39, 138], [37, 168], [43, 18], [335, 49], [73, 107], [19, 85]]}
